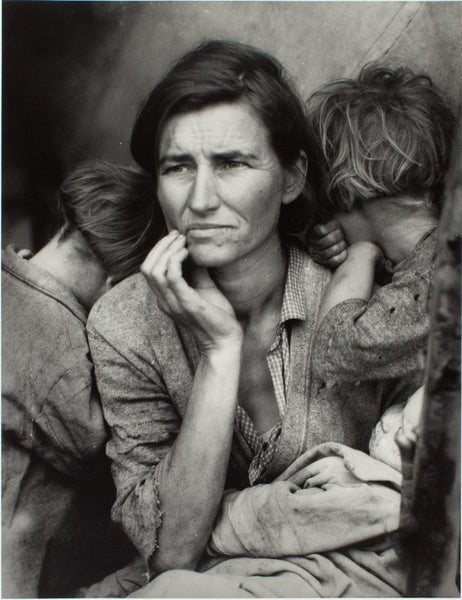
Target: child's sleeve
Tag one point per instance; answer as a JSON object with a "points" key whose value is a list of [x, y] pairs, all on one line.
{"points": [[382, 338]]}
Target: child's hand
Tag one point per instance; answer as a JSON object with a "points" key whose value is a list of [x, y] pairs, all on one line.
{"points": [[328, 470], [410, 425], [326, 244]]}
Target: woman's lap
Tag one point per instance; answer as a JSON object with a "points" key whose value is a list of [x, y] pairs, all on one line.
{"points": [[332, 575]]}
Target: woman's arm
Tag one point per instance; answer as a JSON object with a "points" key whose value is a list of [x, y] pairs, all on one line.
{"points": [[192, 475], [183, 475], [198, 460], [283, 518]]}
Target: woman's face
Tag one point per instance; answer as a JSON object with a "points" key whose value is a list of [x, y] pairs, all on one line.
{"points": [[221, 184]]}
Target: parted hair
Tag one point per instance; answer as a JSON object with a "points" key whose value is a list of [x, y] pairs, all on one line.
{"points": [[112, 209], [388, 132], [226, 71]]}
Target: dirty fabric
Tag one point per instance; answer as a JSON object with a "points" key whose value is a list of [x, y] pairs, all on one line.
{"points": [[56, 485], [387, 335], [145, 367], [283, 519], [289, 541]]}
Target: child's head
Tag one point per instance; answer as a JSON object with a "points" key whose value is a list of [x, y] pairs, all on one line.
{"points": [[109, 210], [398, 426], [386, 133], [382, 444]]}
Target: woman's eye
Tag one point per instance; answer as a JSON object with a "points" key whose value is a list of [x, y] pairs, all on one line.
{"points": [[233, 164], [175, 169]]}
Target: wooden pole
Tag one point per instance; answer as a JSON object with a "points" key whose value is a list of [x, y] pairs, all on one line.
{"points": [[431, 494]]}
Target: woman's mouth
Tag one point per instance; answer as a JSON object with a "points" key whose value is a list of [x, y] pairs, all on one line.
{"points": [[201, 231]]}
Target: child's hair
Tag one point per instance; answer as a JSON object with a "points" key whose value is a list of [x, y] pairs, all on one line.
{"points": [[112, 209], [388, 132]]}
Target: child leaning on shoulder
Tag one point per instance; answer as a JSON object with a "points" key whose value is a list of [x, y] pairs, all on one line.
{"points": [[385, 142]]}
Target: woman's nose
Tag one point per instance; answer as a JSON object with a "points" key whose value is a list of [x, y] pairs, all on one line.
{"points": [[203, 195]]}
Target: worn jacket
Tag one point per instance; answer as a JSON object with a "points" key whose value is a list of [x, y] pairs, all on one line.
{"points": [[145, 366], [56, 487], [385, 336]]}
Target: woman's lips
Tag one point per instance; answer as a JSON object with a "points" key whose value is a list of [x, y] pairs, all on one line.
{"points": [[205, 231]]}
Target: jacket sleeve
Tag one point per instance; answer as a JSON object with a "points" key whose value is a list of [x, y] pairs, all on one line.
{"points": [[69, 430], [282, 519], [143, 424], [383, 338]]}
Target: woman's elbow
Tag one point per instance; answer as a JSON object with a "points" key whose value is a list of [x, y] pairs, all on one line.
{"points": [[174, 558]]}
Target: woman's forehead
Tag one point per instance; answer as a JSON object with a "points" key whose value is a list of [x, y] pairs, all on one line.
{"points": [[218, 128]]}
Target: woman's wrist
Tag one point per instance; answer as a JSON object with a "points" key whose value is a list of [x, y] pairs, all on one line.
{"points": [[218, 345], [223, 350]]}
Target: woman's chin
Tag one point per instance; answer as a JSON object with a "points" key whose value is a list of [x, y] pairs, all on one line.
{"points": [[208, 256]]}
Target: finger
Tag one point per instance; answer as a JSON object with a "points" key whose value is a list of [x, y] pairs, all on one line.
{"points": [[173, 267], [179, 295], [178, 300], [170, 306], [158, 250], [322, 229], [176, 282], [317, 480], [164, 307], [334, 250], [324, 258], [330, 239], [336, 261], [187, 300], [160, 266], [300, 477], [155, 270]]}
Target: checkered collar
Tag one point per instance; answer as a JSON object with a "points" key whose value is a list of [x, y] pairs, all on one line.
{"points": [[293, 301]]}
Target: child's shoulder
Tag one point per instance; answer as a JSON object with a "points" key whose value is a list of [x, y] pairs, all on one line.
{"points": [[423, 257]]}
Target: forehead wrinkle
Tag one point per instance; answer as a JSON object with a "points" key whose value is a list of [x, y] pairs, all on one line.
{"points": [[211, 133]]}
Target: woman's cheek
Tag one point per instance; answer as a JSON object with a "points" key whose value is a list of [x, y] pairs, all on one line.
{"points": [[171, 208], [171, 221]]}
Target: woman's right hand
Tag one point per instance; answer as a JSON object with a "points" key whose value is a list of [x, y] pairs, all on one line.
{"points": [[203, 309]]}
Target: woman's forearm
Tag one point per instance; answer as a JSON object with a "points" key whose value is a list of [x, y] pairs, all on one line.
{"points": [[283, 518], [192, 475]]}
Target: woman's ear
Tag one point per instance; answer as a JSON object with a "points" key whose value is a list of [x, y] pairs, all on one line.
{"points": [[295, 178], [110, 281]]}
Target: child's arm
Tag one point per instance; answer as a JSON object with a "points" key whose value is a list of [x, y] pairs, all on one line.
{"points": [[354, 278], [383, 337]]}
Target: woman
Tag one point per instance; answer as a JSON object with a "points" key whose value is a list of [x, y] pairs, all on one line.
{"points": [[205, 383]]}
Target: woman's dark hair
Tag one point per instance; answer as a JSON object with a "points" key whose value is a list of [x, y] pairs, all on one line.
{"points": [[386, 133], [112, 209], [224, 71]]}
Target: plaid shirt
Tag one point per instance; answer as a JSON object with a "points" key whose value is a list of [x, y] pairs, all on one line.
{"points": [[293, 307]]}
